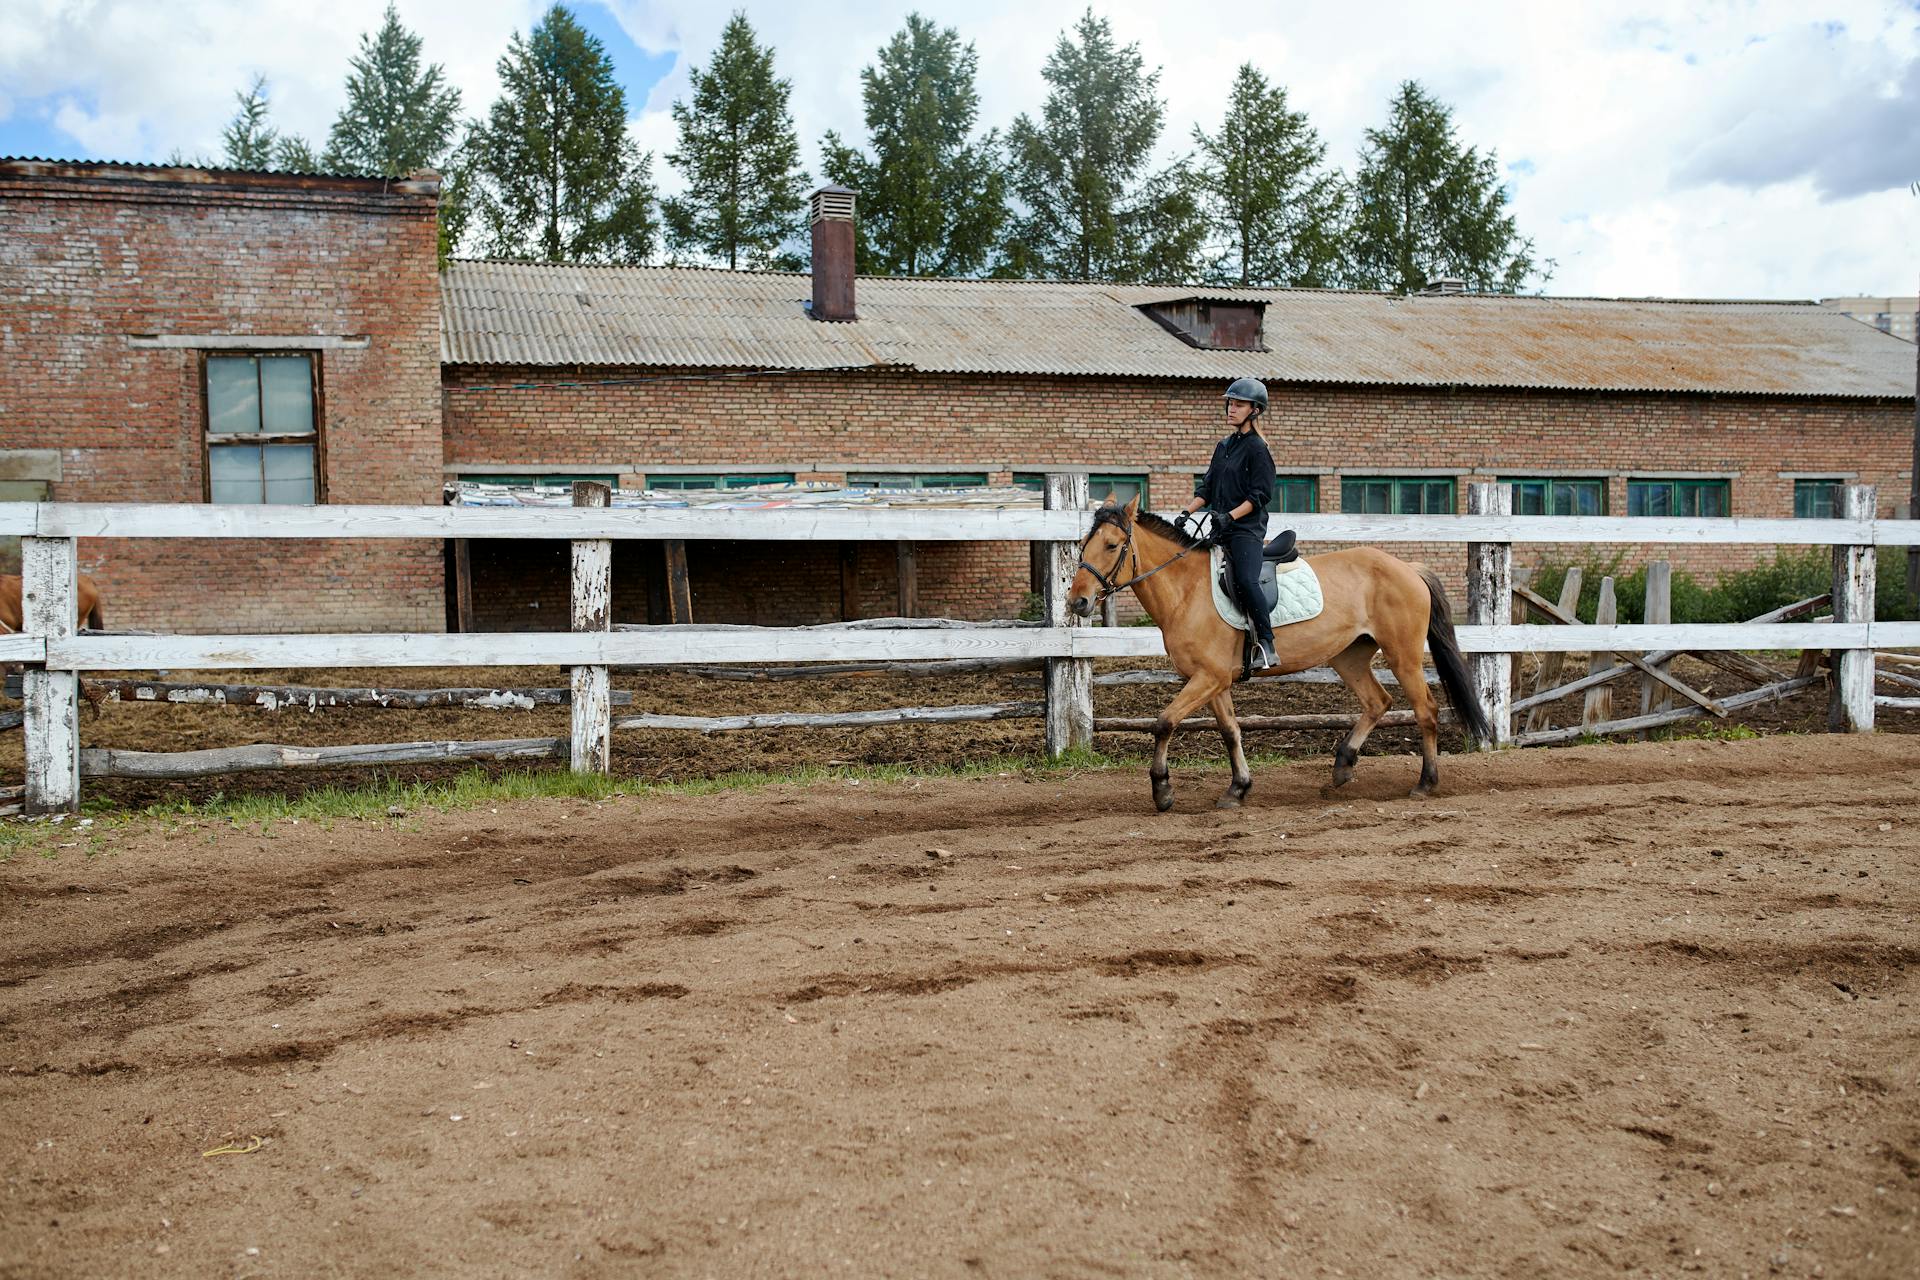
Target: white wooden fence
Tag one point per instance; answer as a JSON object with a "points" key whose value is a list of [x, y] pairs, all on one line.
{"points": [[55, 655]]}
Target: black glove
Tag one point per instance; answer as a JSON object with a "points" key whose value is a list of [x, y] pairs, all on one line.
{"points": [[1222, 532]]}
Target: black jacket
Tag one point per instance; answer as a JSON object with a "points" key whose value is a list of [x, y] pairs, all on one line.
{"points": [[1241, 471]]}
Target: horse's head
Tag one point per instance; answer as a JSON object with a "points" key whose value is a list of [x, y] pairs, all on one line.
{"points": [[1103, 556]]}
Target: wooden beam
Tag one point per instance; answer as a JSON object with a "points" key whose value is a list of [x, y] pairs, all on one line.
{"points": [[300, 697], [1551, 663], [849, 581], [463, 584], [1145, 724], [1657, 611], [1069, 681], [907, 576], [115, 763], [1655, 720], [49, 589], [839, 719], [679, 586], [1489, 601], [1598, 707], [592, 612], [1850, 705], [1639, 664]]}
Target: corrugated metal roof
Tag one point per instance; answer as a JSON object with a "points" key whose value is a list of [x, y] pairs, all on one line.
{"points": [[502, 313]]}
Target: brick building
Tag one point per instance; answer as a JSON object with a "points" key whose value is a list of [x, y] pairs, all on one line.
{"points": [[192, 335], [188, 335]]}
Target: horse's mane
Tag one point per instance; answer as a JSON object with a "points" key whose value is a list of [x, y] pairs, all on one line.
{"points": [[1147, 520]]}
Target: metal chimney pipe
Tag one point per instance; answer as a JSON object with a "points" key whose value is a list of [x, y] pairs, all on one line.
{"points": [[832, 218]]}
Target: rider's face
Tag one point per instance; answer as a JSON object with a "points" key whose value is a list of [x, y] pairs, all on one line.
{"points": [[1238, 411]]}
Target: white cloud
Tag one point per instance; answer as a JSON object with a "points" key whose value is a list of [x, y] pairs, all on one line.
{"points": [[1674, 148]]}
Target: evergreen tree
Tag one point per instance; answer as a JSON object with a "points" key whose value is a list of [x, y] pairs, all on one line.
{"points": [[551, 173], [1085, 212], [398, 117], [932, 201], [1425, 207], [1276, 217], [293, 154], [249, 137], [741, 158]]}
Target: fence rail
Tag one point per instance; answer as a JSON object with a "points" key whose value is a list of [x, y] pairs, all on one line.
{"points": [[54, 654]]}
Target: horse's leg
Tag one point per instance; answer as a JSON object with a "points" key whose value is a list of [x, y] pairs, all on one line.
{"points": [[1405, 657], [1355, 666], [1236, 756], [1201, 688]]}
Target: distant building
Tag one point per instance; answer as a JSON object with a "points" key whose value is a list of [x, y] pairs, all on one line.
{"points": [[1888, 315]]}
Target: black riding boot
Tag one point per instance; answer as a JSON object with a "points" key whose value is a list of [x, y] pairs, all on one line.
{"points": [[1243, 554]]}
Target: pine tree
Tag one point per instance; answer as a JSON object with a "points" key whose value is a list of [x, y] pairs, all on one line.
{"points": [[398, 118], [1086, 213], [293, 154], [1425, 207], [551, 173], [741, 159], [249, 137], [1275, 215], [932, 201]]}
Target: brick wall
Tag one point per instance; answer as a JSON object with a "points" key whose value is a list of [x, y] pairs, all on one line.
{"points": [[90, 254], [824, 425]]}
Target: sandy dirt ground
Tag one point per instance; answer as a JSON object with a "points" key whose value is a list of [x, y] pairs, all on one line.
{"points": [[1637, 1009]]}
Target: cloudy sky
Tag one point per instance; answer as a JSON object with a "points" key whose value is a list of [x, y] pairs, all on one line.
{"points": [[1751, 148]]}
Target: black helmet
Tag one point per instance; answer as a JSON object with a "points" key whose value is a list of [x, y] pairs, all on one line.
{"points": [[1252, 390]]}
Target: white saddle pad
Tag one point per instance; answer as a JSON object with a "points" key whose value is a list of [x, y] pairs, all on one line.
{"points": [[1299, 594]]}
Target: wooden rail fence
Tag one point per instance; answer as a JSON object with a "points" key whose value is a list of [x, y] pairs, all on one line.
{"points": [[59, 661]]}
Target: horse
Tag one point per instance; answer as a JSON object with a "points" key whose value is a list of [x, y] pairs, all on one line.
{"points": [[1374, 603], [89, 595]]}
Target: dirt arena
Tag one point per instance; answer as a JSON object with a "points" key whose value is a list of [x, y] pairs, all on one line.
{"points": [[1640, 1009]]}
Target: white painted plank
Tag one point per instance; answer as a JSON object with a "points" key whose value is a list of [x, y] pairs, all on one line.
{"points": [[592, 612], [1068, 681], [1850, 709], [52, 694], [964, 714], [115, 763], [15, 647], [1898, 704], [929, 524]]}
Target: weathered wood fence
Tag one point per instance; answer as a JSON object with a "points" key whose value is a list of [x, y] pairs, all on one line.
{"points": [[57, 658]]}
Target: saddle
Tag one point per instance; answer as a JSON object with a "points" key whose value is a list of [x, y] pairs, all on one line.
{"points": [[1278, 552], [1279, 558]]}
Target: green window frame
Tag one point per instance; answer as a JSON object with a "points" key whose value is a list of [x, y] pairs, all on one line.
{"points": [[1819, 498], [719, 480], [1685, 498], [263, 412], [1397, 495], [917, 480], [539, 480], [1558, 495], [1292, 495], [1124, 486]]}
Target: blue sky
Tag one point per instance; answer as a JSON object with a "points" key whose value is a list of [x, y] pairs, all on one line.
{"points": [[1698, 148]]}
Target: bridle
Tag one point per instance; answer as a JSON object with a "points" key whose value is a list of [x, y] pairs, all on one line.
{"points": [[1107, 584]]}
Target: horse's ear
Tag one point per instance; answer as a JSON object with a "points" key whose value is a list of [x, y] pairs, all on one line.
{"points": [[1133, 509], [1109, 502]]}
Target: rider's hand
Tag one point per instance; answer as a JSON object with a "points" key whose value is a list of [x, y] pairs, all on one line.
{"points": [[1222, 531]]}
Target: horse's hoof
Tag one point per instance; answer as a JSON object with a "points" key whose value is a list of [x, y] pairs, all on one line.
{"points": [[1162, 803], [1420, 792], [1227, 802], [1341, 777]]}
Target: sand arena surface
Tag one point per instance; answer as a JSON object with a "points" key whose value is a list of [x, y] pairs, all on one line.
{"points": [[1629, 1009]]}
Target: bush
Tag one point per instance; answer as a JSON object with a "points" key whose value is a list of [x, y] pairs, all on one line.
{"points": [[1793, 574]]}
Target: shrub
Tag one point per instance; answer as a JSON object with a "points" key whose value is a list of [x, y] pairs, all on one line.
{"points": [[1739, 594]]}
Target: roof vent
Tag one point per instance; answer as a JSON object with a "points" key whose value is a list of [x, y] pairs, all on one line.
{"points": [[1444, 285], [1212, 323], [832, 220]]}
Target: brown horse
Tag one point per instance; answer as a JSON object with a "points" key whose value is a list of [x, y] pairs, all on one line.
{"points": [[10, 612], [1374, 603]]}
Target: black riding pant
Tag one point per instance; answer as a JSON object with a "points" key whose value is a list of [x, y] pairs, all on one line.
{"points": [[1243, 557]]}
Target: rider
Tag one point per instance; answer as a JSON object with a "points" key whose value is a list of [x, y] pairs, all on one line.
{"points": [[1236, 488]]}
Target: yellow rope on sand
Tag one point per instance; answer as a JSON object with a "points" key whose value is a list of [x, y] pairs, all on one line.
{"points": [[252, 1145]]}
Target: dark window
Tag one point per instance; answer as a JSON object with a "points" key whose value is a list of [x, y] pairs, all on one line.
{"points": [[917, 480], [1124, 488], [263, 433], [1679, 498], [543, 481], [718, 481], [1817, 499], [1398, 496], [1543, 497]]}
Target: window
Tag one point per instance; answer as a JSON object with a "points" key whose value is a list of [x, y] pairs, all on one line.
{"points": [[1124, 488], [917, 480], [717, 481], [1817, 499], [1533, 497], [1678, 498], [538, 481], [1398, 496], [263, 437], [1291, 494]]}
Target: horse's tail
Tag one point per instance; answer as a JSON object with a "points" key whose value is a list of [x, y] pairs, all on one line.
{"points": [[1455, 674], [94, 617]]}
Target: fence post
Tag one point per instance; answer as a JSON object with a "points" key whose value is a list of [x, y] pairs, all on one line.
{"points": [[1069, 680], [48, 568], [1655, 696], [1850, 703], [592, 611], [1489, 601]]}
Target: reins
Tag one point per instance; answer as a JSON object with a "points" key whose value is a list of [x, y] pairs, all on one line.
{"points": [[1107, 585]]}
